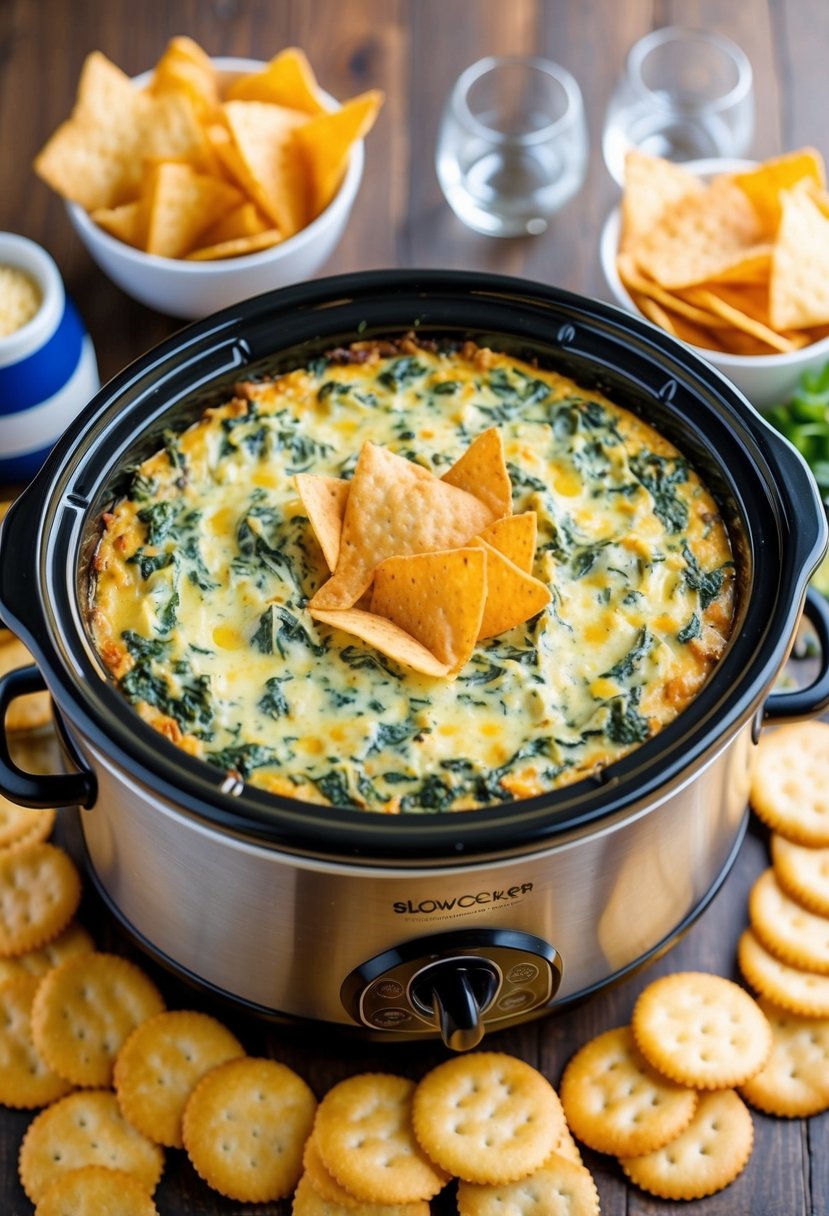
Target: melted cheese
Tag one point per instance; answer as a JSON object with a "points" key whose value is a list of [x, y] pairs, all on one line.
{"points": [[204, 571]]}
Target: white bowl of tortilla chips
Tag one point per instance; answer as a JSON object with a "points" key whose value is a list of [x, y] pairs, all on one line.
{"points": [[732, 258], [205, 181]]}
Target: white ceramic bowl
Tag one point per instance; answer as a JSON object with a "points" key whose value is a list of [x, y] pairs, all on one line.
{"points": [[195, 289], [765, 379]]}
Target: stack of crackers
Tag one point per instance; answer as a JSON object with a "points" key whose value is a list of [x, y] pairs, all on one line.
{"points": [[383, 1145], [660, 1094], [784, 954]]}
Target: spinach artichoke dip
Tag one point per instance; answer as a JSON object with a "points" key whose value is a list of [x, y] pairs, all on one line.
{"points": [[412, 577]]}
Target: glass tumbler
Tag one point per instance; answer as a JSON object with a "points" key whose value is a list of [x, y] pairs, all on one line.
{"points": [[684, 95], [512, 144]]}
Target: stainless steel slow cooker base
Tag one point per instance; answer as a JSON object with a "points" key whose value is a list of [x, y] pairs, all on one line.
{"points": [[381, 1034], [350, 942]]}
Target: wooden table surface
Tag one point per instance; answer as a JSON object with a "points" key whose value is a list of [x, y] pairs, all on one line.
{"points": [[414, 49]]}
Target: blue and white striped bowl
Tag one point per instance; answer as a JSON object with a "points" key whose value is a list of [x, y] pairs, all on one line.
{"points": [[48, 370]]}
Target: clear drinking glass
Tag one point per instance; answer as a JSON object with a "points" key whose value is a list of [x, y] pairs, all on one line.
{"points": [[684, 95], [512, 144]]}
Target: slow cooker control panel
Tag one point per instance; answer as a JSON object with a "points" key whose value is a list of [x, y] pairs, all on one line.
{"points": [[457, 985]]}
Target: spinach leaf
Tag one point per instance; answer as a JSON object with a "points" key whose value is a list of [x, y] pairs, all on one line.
{"points": [[242, 758], [334, 787], [708, 583], [626, 666], [389, 734], [625, 724], [193, 708], [278, 628], [274, 702], [148, 563], [690, 631], [144, 648], [402, 371], [159, 518], [358, 659], [661, 475]]}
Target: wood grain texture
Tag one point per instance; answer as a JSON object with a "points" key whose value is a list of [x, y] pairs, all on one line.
{"points": [[413, 50]]}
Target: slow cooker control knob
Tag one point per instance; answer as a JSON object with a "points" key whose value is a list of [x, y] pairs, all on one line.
{"points": [[459, 993]]}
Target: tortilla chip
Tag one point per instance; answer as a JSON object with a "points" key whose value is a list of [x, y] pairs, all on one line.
{"points": [[123, 222], [482, 471], [700, 236], [654, 312], [327, 140], [107, 98], [288, 80], [799, 286], [512, 595], [641, 286], [651, 185], [229, 163], [436, 597], [239, 247], [180, 205], [752, 269], [687, 331], [172, 131], [264, 138], [324, 500], [765, 185], [185, 68], [741, 320], [244, 220], [82, 165], [736, 342], [94, 158], [384, 636], [515, 536], [396, 507]]}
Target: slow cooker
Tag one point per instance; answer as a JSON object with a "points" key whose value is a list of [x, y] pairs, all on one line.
{"points": [[431, 924]]}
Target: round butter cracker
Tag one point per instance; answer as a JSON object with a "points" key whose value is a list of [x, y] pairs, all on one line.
{"points": [[25, 1080], [365, 1138], [487, 1117], [85, 1128], [96, 1190], [701, 1030], [804, 992], [559, 1187], [790, 782], [160, 1065], [794, 1082], [40, 890], [23, 824], [73, 940], [308, 1201], [802, 872], [33, 710], [706, 1157], [245, 1127], [787, 929], [616, 1102], [86, 1009]]}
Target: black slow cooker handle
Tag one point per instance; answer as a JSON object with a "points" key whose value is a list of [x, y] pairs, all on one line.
{"points": [[37, 789], [802, 703]]}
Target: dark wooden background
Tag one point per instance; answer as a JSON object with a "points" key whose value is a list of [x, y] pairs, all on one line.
{"points": [[414, 49]]}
